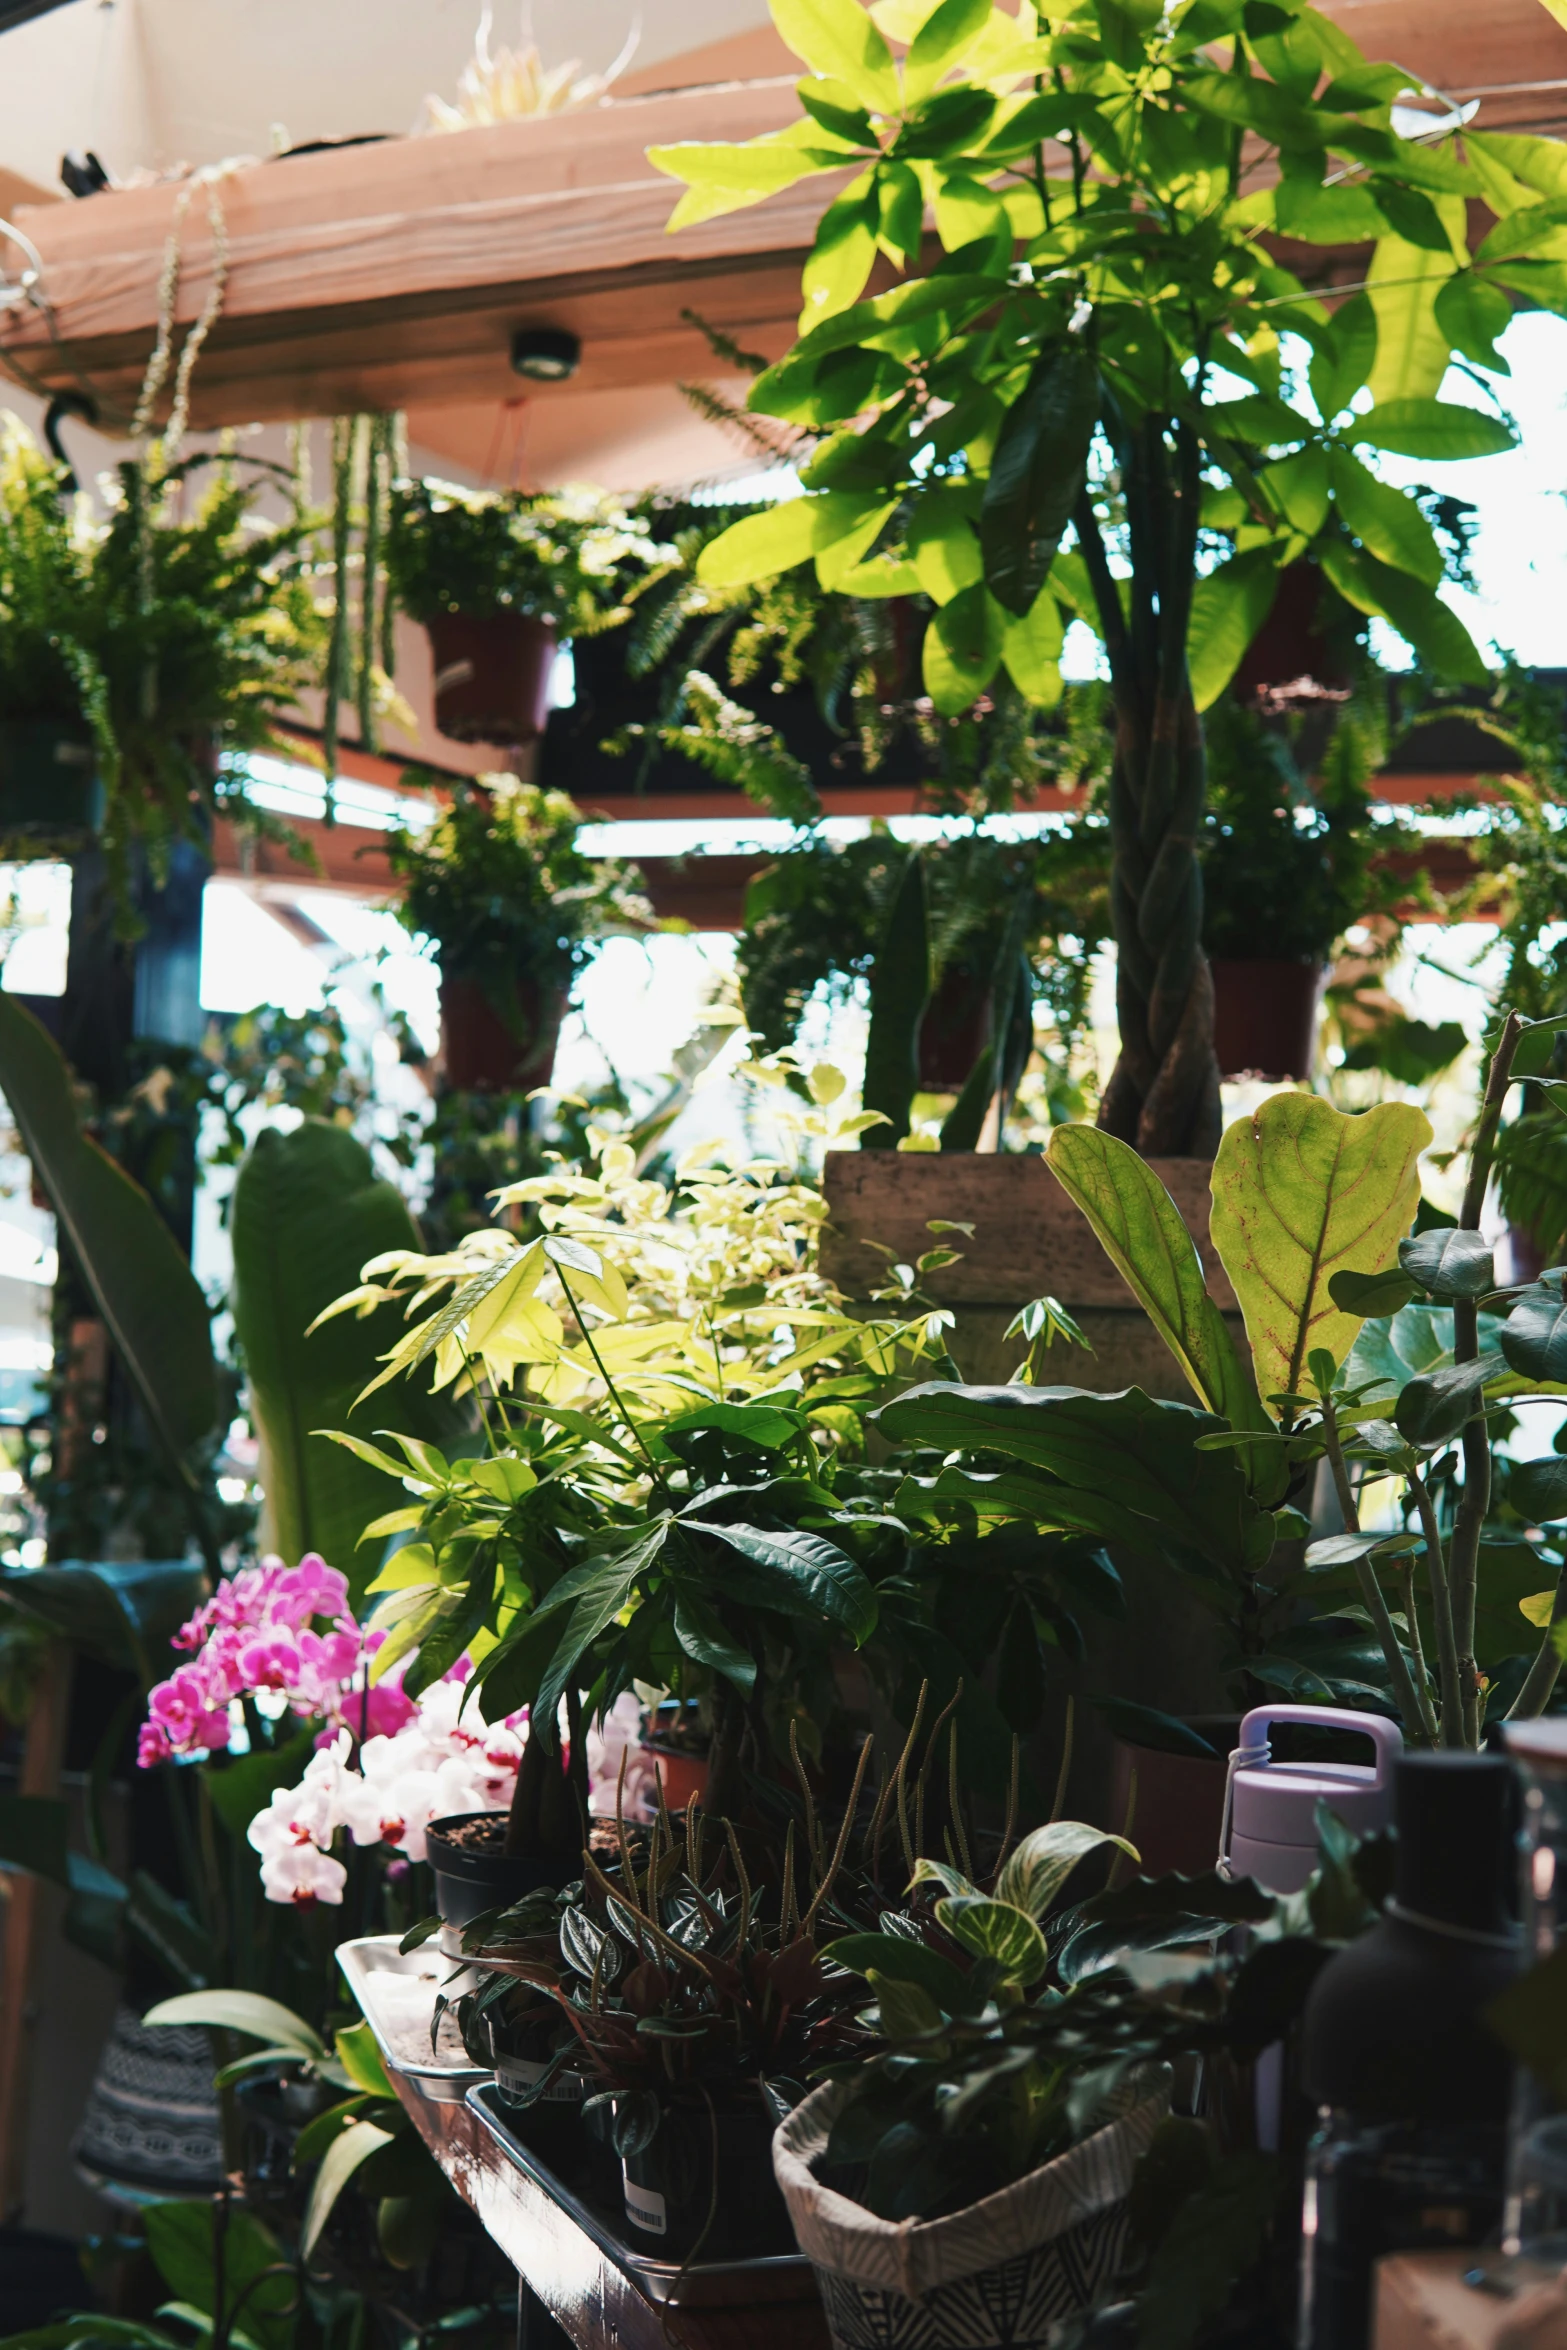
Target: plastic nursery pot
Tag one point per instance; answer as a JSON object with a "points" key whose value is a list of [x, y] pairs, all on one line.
{"points": [[1007, 2269], [1265, 1017], [473, 1870], [492, 675], [679, 2200], [1179, 1813], [677, 1749], [482, 1053]]}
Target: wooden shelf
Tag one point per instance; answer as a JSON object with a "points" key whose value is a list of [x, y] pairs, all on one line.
{"points": [[393, 274]]}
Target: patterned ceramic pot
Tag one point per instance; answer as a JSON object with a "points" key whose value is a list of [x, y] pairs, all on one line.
{"points": [[1000, 2275]]}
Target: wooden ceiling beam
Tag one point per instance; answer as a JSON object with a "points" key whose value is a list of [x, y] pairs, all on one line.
{"points": [[393, 273]]}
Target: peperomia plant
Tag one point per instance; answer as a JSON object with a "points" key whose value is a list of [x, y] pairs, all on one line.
{"points": [[1311, 1219], [1101, 340]]}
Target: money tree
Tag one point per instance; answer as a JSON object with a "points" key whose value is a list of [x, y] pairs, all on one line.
{"points": [[1060, 356]]}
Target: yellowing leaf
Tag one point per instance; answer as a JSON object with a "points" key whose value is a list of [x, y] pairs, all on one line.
{"points": [[1301, 1192], [1538, 1606], [1412, 350]]}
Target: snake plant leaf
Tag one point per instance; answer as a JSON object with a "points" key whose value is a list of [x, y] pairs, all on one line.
{"points": [[900, 990], [1301, 1192], [1123, 1455], [309, 1211], [1139, 1228], [153, 1305], [1448, 1263]]}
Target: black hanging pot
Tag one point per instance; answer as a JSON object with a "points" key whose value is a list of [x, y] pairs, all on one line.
{"points": [[49, 787]]}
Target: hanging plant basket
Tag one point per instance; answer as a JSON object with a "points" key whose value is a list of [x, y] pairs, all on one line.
{"points": [[483, 1053], [1007, 2270], [1265, 1016], [492, 675]]}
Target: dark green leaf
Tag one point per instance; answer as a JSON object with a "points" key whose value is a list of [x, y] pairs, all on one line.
{"points": [[1144, 1725], [1534, 1336], [1123, 1449], [903, 1960], [702, 1635], [124, 1613], [1448, 1264], [819, 1572], [1371, 1294], [899, 992], [33, 1835], [1436, 1407], [1038, 471], [1538, 1490], [155, 1308]]}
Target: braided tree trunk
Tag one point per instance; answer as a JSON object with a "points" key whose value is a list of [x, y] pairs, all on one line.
{"points": [[1163, 1097]]}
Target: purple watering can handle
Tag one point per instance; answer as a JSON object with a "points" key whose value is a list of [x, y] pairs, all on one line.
{"points": [[1254, 1748]]}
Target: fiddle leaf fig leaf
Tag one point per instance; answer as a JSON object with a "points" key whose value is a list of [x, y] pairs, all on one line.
{"points": [[1045, 1859], [998, 1931], [1448, 1264], [1139, 1227], [1534, 1336], [1300, 1192]]}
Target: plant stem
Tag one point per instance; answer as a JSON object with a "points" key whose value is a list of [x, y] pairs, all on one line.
{"points": [[1475, 1499], [614, 1393], [1406, 1584], [1370, 1589], [1441, 1613], [1540, 1680]]}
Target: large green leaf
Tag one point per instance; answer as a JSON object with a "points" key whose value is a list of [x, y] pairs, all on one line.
{"points": [[1124, 1450], [309, 1211], [249, 2012], [1229, 605], [124, 1613], [1045, 1859], [1139, 1228], [1301, 1192], [1037, 472], [180, 2239], [1412, 351], [150, 1300], [810, 1567], [997, 1931], [1386, 520], [900, 990], [1433, 428]]}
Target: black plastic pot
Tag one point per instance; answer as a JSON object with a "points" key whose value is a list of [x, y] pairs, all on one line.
{"points": [[470, 1880], [670, 2202]]}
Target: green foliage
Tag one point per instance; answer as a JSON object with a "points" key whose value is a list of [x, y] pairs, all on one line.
{"points": [[139, 1278], [308, 1212], [570, 557], [168, 634], [1286, 861], [509, 900]]}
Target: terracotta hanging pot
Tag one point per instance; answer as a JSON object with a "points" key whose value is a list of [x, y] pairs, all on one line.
{"points": [[1265, 1016], [954, 1031], [482, 1053], [492, 675]]}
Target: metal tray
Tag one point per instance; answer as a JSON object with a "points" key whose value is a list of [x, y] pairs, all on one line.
{"points": [[401, 2020], [776, 2276]]}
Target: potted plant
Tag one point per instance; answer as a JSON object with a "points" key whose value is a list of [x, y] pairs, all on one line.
{"points": [[498, 578], [141, 657], [1066, 363], [1312, 1216], [513, 908], [1286, 869]]}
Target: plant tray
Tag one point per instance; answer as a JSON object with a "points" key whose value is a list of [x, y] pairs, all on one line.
{"points": [[396, 1991], [778, 2276]]}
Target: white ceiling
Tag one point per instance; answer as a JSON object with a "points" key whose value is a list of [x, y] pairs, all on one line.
{"points": [[158, 82]]}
